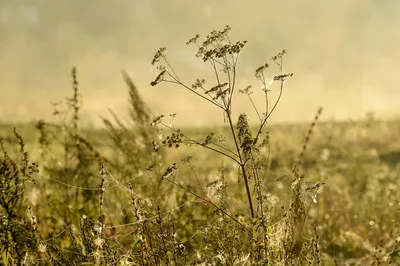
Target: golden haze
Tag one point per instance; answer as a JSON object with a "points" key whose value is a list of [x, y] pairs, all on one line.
{"points": [[344, 55]]}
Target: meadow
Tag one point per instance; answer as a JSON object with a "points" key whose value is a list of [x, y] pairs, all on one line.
{"points": [[144, 192]]}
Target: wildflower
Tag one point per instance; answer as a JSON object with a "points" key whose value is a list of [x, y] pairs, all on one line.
{"points": [[42, 248]]}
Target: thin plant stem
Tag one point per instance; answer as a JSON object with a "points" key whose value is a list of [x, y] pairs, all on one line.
{"points": [[246, 182]]}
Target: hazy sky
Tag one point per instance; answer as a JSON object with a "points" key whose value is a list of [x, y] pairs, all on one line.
{"points": [[344, 54]]}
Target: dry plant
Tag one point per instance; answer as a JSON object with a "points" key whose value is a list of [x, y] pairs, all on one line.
{"points": [[222, 54], [118, 200], [18, 235]]}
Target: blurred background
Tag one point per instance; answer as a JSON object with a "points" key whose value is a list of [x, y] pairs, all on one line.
{"points": [[344, 55]]}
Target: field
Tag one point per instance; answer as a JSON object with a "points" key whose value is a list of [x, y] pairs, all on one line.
{"points": [[144, 192]]}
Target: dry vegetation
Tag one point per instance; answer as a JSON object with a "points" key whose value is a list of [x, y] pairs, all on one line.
{"points": [[143, 192]]}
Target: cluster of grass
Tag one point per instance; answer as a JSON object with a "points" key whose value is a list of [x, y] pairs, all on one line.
{"points": [[144, 192]]}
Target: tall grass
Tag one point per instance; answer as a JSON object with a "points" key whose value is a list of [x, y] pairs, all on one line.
{"points": [[148, 193]]}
